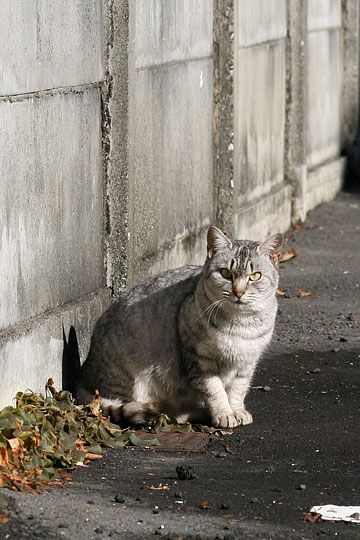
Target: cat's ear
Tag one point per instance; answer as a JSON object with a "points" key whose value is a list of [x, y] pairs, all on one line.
{"points": [[272, 247], [216, 240]]}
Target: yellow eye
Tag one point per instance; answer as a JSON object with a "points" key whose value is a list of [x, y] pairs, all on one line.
{"points": [[255, 276], [225, 272]]}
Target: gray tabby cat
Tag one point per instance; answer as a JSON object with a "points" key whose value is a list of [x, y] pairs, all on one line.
{"points": [[187, 342]]}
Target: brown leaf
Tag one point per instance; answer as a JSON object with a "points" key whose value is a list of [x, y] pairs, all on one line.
{"points": [[160, 487], [204, 505], [281, 292], [311, 517], [4, 517], [301, 293], [17, 447], [4, 458], [95, 404], [229, 450], [91, 456], [288, 255]]}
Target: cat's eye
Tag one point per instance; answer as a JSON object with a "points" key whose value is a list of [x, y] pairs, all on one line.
{"points": [[225, 272], [255, 276]]}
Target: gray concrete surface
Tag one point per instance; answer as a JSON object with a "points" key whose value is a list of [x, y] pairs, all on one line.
{"points": [[49, 44], [259, 117], [51, 208], [170, 132], [301, 450], [52, 223]]}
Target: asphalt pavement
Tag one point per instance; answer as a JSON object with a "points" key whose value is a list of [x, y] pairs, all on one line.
{"points": [[302, 449]]}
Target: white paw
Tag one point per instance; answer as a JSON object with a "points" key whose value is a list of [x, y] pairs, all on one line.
{"points": [[243, 417], [228, 420]]}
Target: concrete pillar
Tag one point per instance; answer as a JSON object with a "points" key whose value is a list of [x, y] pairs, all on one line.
{"points": [[223, 153], [296, 115]]}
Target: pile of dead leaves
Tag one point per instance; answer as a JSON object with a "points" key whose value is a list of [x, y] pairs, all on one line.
{"points": [[43, 436]]}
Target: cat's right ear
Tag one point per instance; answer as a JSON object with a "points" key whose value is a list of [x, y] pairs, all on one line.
{"points": [[216, 240]]}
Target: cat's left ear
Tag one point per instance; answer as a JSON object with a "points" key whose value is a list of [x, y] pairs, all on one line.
{"points": [[216, 240], [272, 247]]}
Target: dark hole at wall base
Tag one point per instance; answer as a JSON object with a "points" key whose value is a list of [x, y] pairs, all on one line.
{"points": [[70, 361]]}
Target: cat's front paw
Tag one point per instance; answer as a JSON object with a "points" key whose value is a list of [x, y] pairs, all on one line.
{"points": [[228, 420], [243, 416]]}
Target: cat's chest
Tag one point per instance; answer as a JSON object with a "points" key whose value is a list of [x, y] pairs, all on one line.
{"points": [[236, 345]]}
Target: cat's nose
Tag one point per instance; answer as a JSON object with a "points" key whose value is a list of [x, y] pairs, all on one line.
{"points": [[239, 286], [238, 292]]}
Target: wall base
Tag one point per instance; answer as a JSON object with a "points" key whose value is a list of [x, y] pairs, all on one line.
{"points": [[266, 216], [31, 353]]}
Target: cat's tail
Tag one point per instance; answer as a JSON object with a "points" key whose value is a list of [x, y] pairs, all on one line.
{"points": [[132, 412]]}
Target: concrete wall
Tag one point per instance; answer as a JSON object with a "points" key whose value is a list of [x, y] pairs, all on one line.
{"points": [[170, 133], [259, 118], [324, 86], [51, 176]]}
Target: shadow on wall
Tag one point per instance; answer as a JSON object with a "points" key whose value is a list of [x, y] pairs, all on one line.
{"points": [[352, 170], [70, 361]]}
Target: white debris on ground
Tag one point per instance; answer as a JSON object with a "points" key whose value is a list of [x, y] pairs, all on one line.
{"points": [[332, 512]]}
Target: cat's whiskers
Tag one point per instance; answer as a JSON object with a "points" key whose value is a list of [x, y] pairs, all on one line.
{"points": [[208, 308], [218, 309]]}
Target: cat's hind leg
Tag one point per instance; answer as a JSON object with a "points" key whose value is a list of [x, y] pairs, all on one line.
{"points": [[132, 412]]}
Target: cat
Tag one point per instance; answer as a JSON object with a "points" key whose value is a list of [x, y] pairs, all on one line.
{"points": [[186, 342]]}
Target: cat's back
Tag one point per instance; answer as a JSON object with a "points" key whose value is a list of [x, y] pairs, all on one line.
{"points": [[155, 301]]}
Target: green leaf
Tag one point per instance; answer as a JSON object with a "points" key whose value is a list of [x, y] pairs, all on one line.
{"points": [[136, 441]]}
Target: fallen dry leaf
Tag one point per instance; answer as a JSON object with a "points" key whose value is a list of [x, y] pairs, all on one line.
{"points": [[301, 293], [4, 517], [288, 255], [311, 517], [160, 487], [281, 292], [95, 405], [4, 458], [204, 505], [91, 456]]}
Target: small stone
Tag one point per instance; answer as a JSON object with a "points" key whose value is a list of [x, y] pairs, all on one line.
{"points": [[138, 499], [119, 499], [302, 487], [266, 388], [350, 317], [185, 473], [335, 350], [254, 500], [155, 510], [98, 530], [316, 370], [224, 506], [90, 502], [343, 339], [178, 495]]}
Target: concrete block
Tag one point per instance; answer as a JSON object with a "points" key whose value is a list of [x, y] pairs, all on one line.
{"points": [[323, 96], [170, 160], [171, 30], [49, 43], [324, 183], [257, 21], [34, 353], [259, 120], [188, 248], [323, 14], [51, 204], [268, 215]]}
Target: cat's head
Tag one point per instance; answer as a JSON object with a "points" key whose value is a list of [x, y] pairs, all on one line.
{"points": [[242, 272]]}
